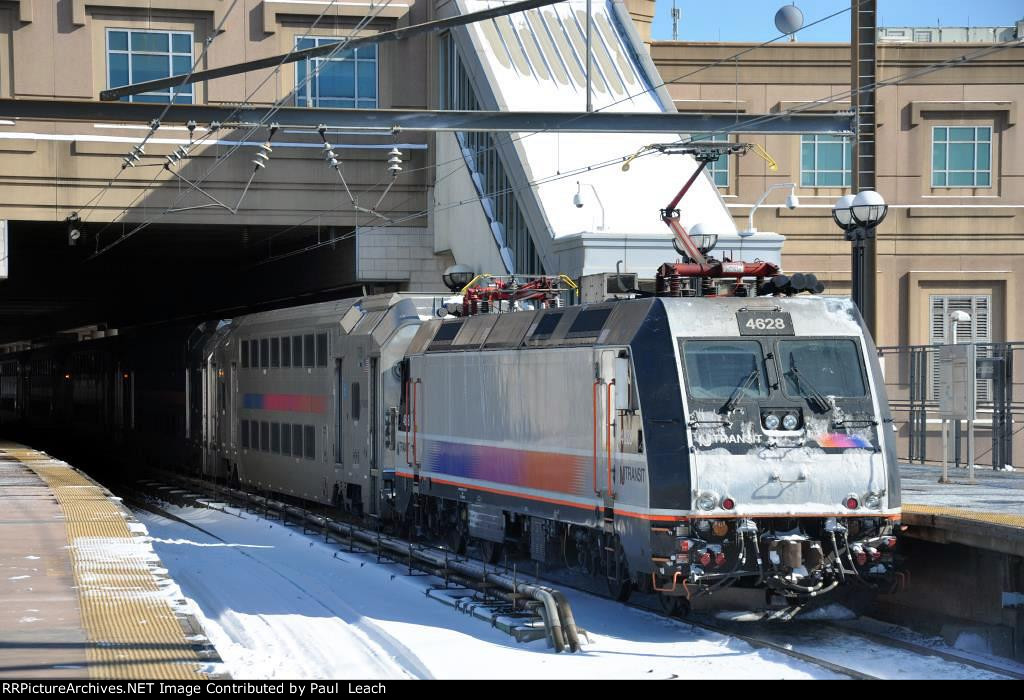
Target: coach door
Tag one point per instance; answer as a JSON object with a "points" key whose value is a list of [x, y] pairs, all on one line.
{"points": [[373, 387], [339, 396]]}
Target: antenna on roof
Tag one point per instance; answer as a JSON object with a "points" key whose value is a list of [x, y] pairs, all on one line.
{"points": [[675, 21]]}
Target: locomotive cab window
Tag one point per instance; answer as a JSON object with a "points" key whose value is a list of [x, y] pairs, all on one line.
{"points": [[823, 366], [717, 368]]}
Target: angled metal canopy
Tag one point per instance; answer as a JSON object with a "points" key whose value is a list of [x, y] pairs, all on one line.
{"points": [[394, 120], [326, 49]]}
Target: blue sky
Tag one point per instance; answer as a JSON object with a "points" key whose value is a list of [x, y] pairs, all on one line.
{"points": [[753, 20]]}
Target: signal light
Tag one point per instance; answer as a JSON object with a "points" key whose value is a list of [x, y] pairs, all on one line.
{"points": [[719, 558], [852, 503], [728, 503], [704, 558]]}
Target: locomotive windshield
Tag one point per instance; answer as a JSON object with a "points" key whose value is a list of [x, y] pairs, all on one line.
{"points": [[716, 369], [827, 366]]}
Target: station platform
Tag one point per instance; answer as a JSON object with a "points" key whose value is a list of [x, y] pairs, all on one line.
{"points": [[988, 514], [80, 590]]}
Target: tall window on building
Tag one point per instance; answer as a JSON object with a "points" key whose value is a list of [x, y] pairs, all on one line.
{"points": [[961, 156], [825, 161], [137, 56], [487, 172], [347, 80], [979, 330]]}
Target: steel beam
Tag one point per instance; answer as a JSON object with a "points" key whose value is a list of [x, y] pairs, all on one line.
{"points": [[163, 84], [863, 75], [393, 120]]}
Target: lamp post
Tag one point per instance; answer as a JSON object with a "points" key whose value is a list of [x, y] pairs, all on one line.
{"points": [[858, 215]]}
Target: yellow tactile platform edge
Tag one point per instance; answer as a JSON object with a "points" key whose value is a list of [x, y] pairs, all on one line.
{"points": [[133, 631], [1007, 519]]}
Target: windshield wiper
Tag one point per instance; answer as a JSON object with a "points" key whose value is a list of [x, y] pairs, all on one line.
{"points": [[738, 391], [813, 396]]}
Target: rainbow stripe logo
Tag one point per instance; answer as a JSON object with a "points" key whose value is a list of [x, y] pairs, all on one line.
{"points": [[295, 403], [842, 440]]}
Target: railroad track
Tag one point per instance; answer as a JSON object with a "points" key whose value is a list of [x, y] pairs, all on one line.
{"points": [[505, 600], [518, 615]]}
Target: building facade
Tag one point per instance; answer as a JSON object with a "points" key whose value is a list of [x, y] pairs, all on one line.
{"points": [[950, 164]]}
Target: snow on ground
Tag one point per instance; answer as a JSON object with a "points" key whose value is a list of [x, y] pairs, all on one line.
{"points": [[280, 604]]}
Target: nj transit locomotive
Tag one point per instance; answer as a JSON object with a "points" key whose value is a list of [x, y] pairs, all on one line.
{"points": [[667, 444]]}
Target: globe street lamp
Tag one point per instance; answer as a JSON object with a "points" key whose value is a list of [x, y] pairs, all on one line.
{"points": [[858, 215]]}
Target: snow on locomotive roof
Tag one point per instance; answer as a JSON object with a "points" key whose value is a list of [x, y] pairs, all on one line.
{"points": [[716, 317]]}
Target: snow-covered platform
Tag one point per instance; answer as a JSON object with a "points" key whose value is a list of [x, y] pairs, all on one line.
{"points": [[987, 514], [81, 590]]}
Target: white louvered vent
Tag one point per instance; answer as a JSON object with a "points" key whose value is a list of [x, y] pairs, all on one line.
{"points": [[979, 330]]}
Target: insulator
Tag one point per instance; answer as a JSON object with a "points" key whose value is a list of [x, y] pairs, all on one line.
{"points": [[327, 146], [266, 147], [258, 163]]}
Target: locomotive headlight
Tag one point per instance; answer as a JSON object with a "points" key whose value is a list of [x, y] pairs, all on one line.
{"points": [[706, 501], [771, 421], [873, 500], [790, 421]]}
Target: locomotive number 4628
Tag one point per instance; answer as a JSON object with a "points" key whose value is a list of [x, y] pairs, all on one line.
{"points": [[767, 322]]}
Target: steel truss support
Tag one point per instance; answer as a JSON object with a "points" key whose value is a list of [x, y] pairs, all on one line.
{"points": [[395, 120]]}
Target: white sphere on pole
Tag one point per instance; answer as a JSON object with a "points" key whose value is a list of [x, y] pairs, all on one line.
{"points": [[868, 208], [789, 19], [841, 213]]}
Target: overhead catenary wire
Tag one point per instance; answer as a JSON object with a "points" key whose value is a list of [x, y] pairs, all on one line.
{"points": [[375, 11], [889, 82], [459, 160], [155, 124]]}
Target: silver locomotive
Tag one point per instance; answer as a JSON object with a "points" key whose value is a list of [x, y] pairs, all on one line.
{"points": [[676, 444]]}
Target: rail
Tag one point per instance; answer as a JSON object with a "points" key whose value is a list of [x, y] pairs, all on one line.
{"points": [[557, 616]]}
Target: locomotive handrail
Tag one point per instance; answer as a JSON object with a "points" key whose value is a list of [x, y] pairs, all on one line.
{"points": [[596, 383], [608, 436], [408, 456], [415, 423]]}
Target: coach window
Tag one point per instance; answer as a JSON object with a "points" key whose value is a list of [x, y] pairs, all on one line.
{"points": [[286, 352], [286, 439], [309, 442], [254, 434], [275, 352], [321, 349], [245, 433], [245, 352], [264, 353], [296, 351], [275, 438], [265, 436], [308, 352], [297, 440]]}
